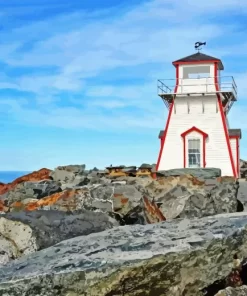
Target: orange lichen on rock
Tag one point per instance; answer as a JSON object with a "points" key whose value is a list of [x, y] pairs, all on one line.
{"points": [[152, 212], [1, 206], [226, 179], [124, 200], [121, 203], [17, 206], [66, 199], [186, 180], [42, 174]]}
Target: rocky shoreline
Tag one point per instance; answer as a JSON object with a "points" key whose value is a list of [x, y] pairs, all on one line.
{"points": [[70, 231]]}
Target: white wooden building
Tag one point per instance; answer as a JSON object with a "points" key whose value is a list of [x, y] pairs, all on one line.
{"points": [[197, 132]]}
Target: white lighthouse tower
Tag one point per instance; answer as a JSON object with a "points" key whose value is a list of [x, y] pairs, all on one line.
{"points": [[197, 133]]}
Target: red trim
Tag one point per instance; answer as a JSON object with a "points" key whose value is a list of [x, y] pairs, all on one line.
{"points": [[238, 165], [204, 135], [223, 117], [204, 152], [184, 142], [194, 129], [237, 154], [177, 79], [168, 121], [164, 136], [195, 62]]}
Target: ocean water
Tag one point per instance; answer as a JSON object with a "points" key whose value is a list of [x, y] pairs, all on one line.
{"points": [[9, 176]]}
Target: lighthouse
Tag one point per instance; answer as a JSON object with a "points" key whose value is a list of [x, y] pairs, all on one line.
{"points": [[197, 132]]}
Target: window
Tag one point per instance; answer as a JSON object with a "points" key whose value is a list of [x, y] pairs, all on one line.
{"points": [[196, 72], [194, 153]]}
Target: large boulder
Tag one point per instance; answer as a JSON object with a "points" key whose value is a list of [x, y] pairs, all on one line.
{"points": [[187, 197], [121, 198], [22, 233], [32, 190], [70, 176], [16, 239], [179, 257], [39, 175], [239, 291], [181, 196], [205, 173], [107, 198], [242, 193], [66, 200]]}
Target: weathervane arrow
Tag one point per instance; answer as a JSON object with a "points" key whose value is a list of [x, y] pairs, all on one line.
{"points": [[199, 44]]}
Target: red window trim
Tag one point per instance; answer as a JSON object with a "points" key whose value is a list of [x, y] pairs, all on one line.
{"points": [[204, 136]]}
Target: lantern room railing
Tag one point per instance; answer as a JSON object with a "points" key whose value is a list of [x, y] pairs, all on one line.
{"points": [[226, 84]]}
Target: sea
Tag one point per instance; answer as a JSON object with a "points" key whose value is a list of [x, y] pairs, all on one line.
{"points": [[9, 176]]}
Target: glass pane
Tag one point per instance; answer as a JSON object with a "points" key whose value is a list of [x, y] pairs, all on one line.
{"points": [[194, 153], [196, 72]]}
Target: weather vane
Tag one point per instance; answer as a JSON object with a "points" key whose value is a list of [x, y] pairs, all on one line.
{"points": [[198, 45]]}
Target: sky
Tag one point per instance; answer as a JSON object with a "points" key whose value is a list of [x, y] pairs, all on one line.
{"points": [[78, 80]]}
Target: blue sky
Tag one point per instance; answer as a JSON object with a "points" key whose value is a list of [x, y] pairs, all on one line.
{"points": [[78, 80]]}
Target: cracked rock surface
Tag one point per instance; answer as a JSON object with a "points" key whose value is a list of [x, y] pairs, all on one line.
{"points": [[26, 232], [178, 257]]}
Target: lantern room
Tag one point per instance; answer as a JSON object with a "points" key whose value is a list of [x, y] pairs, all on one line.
{"points": [[199, 74]]}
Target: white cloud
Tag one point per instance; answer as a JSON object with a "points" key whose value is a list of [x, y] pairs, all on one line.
{"points": [[73, 118], [109, 104], [82, 46]]}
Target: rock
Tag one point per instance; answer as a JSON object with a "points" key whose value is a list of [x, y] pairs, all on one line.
{"points": [[26, 232], [240, 291], [146, 165], [205, 173], [69, 176], [182, 196], [243, 172], [67, 200], [123, 197], [242, 193], [135, 216], [32, 190], [3, 207], [179, 257], [16, 239], [42, 174], [187, 197], [112, 197], [243, 168]]}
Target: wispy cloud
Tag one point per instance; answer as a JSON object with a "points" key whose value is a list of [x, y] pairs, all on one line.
{"points": [[78, 51], [68, 70]]}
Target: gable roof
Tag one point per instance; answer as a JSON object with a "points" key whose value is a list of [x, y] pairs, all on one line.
{"points": [[199, 57], [194, 129]]}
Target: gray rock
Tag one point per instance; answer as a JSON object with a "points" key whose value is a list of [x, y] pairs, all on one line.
{"points": [[32, 190], [242, 193], [117, 197], [146, 165], [26, 232], [205, 173], [179, 257], [184, 197], [70, 174], [243, 163], [239, 291], [185, 203]]}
